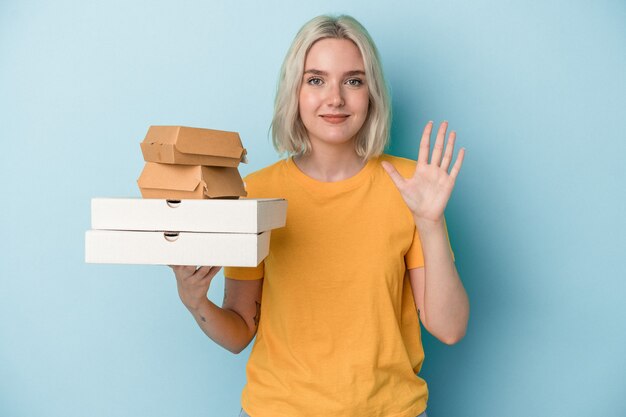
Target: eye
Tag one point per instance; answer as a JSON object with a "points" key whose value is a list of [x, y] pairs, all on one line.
{"points": [[354, 82], [315, 81]]}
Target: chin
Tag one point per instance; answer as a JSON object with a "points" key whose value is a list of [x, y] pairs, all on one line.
{"points": [[336, 141]]}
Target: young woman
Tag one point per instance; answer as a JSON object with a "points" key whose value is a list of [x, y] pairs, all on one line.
{"points": [[364, 252]]}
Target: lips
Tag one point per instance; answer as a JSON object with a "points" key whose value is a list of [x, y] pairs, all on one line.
{"points": [[334, 118]]}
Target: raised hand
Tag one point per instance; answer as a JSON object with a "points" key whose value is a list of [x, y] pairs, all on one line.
{"points": [[427, 192]]}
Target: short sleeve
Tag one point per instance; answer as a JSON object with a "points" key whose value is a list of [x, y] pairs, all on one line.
{"points": [[245, 274], [414, 257]]}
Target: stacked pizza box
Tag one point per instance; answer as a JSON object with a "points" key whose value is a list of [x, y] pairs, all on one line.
{"points": [[190, 213]]}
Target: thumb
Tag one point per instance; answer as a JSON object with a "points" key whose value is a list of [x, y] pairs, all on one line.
{"points": [[393, 173]]}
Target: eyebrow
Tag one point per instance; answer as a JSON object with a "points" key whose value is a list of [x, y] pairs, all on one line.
{"points": [[347, 74]]}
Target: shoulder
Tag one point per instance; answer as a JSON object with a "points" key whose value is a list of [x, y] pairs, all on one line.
{"points": [[263, 179], [405, 166], [264, 173]]}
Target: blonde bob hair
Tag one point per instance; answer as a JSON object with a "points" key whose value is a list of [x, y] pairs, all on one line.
{"points": [[288, 132]]}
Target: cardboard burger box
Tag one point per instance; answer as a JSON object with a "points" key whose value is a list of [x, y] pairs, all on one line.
{"points": [[192, 146], [182, 232], [167, 181]]}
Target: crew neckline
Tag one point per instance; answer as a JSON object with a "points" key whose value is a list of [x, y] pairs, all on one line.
{"points": [[331, 186]]}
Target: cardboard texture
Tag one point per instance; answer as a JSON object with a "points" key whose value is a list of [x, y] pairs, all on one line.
{"points": [[179, 182], [192, 146], [163, 248], [228, 216]]}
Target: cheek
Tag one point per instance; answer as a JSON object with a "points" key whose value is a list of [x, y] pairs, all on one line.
{"points": [[366, 99], [307, 107], [360, 98], [306, 101], [362, 102]]}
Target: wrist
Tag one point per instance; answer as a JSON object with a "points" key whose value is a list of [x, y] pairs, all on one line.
{"points": [[428, 225]]}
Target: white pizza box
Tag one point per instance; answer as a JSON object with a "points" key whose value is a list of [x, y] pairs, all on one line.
{"points": [[176, 248], [217, 215]]}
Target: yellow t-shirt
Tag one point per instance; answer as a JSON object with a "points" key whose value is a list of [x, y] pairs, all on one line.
{"points": [[339, 334]]}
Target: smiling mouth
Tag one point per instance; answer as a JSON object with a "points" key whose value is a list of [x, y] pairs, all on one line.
{"points": [[334, 118]]}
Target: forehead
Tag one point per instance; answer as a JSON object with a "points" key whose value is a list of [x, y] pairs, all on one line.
{"points": [[334, 54]]}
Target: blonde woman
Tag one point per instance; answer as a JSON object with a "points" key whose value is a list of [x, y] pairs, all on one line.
{"points": [[364, 256]]}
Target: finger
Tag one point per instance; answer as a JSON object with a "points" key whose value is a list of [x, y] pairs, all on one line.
{"points": [[457, 164], [214, 270], [447, 157], [180, 267], [202, 272], [186, 270], [438, 148], [208, 275], [397, 179], [422, 157]]}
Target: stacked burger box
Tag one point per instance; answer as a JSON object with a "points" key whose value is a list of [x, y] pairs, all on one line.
{"points": [[190, 213], [185, 162]]}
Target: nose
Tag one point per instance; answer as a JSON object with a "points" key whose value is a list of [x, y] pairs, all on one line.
{"points": [[335, 95]]}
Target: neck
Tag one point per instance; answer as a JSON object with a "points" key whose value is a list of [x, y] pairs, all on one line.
{"points": [[330, 165]]}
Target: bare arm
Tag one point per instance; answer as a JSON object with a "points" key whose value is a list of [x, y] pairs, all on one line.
{"points": [[439, 295], [233, 325]]}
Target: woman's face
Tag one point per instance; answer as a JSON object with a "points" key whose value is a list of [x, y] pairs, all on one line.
{"points": [[334, 97]]}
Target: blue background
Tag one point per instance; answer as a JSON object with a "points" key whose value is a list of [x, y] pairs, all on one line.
{"points": [[535, 89]]}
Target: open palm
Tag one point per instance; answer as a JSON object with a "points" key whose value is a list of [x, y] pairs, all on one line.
{"points": [[427, 192]]}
